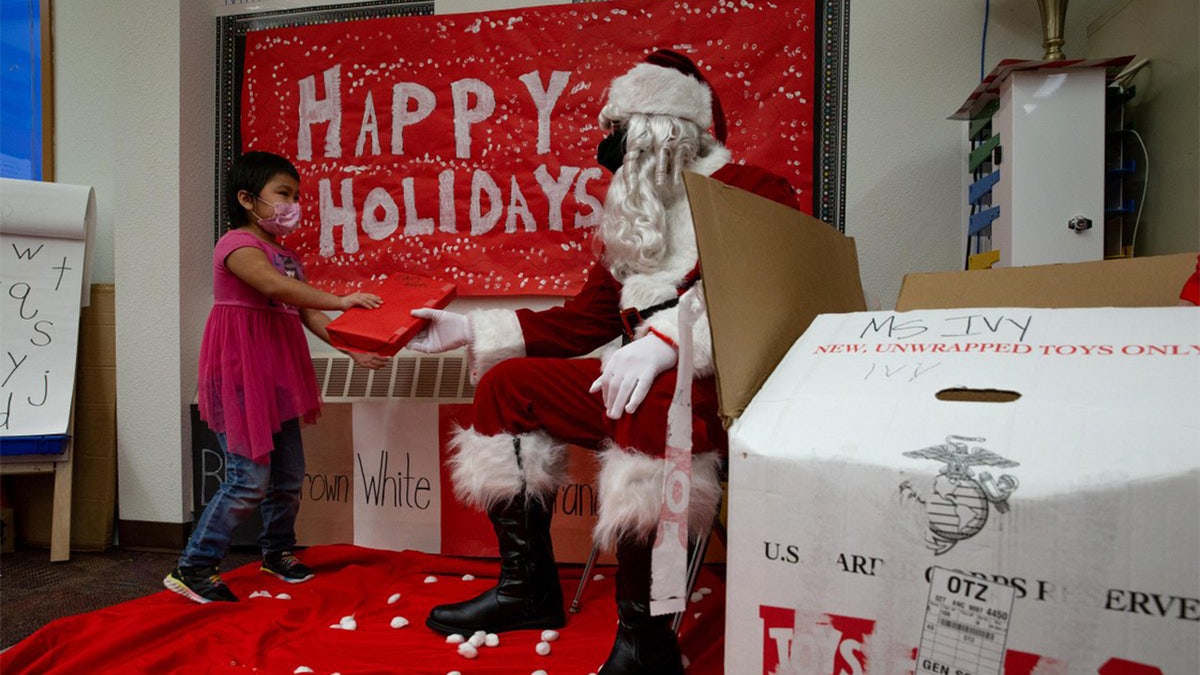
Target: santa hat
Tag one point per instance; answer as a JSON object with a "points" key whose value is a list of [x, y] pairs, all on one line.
{"points": [[666, 83]]}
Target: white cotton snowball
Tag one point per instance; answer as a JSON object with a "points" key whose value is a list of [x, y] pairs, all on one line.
{"points": [[549, 635], [348, 623], [430, 579], [598, 577], [468, 650], [303, 669], [542, 648], [454, 639], [704, 590], [696, 597], [399, 622], [468, 577], [283, 596], [539, 672], [454, 672], [395, 597], [491, 640], [476, 640]]}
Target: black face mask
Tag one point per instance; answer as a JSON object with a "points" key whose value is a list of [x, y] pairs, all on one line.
{"points": [[610, 154]]}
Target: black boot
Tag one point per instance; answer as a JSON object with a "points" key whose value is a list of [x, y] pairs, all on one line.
{"points": [[528, 593], [645, 645]]}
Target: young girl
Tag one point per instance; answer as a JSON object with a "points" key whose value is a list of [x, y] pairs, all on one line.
{"points": [[256, 376]]}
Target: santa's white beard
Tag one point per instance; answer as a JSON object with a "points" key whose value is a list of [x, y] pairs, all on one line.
{"points": [[634, 225]]}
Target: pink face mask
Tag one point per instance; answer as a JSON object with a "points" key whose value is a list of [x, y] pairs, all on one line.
{"points": [[286, 218]]}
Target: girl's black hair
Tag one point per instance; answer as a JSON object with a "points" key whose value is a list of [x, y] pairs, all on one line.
{"points": [[251, 172]]}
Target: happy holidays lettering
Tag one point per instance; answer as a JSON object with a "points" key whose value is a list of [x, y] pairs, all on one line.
{"points": [[473, 103]]}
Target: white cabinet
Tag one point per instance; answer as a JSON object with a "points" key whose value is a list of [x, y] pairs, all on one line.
{"points": [[1037, 163]]}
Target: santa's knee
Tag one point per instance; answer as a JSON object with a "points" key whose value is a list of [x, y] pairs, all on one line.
{"points": [[630, 490], [503, 379], [490, 469], [502, 398]]}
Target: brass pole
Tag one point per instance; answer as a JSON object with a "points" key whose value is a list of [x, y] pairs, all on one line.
{"points": [[1054, 16]]}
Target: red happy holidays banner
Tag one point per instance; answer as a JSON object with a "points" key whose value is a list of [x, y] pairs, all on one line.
{"points": [[463, 147]]}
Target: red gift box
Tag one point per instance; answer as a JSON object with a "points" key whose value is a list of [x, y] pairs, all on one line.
{"points": [[386, 329]]}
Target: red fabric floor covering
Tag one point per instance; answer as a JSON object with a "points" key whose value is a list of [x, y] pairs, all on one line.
{"points": [[164, 633]]}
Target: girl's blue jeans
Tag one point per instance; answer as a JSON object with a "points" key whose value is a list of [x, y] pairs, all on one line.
{"points": [[276, 485]]}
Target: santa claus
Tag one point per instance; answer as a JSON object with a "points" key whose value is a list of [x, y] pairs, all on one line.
{"points": [[536, 389]]}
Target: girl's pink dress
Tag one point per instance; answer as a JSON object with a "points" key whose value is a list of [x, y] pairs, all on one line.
{"points": [[255, 367]]}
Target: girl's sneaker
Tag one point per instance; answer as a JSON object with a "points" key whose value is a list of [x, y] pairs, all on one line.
{"points": [[285, 566], [199, 584]]}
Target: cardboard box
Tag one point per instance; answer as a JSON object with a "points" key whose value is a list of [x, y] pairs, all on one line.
{"points": [[1133, 282], [769, 270], [895, 462]]}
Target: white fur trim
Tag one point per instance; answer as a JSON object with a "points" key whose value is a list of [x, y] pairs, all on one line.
{"points": [[484, 469], [667, 323], [631, 488], [655, 90], [707, 165], [496, 336], [544, 461]]}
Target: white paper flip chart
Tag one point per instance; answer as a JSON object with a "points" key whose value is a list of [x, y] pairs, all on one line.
{"points": [[45, 233]]}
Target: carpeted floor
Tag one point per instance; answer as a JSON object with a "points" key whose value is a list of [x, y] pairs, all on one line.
{"points": [[108, 613], [34, 591], [361, 615]]}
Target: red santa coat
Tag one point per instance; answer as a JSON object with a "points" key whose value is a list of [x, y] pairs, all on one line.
{"points": [[522, 361]]}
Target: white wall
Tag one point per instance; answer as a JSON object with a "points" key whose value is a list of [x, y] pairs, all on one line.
{"points": [[86, 75], [1164, 112], [117, 118], [134, 86], [912, 64], [196, 106]]}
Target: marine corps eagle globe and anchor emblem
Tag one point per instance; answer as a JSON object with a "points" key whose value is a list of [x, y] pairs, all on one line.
{"points": [[956, 506]]}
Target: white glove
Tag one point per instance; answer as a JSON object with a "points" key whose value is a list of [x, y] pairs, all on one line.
{"points": [[627, 376], [446, 331]]}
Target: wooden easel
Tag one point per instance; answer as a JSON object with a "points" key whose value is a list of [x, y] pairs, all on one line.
{"points": [[60, 466], [46, 229]]}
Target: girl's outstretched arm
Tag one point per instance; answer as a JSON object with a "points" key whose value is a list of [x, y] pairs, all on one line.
{"points": [[316, 321], [250, 265]]}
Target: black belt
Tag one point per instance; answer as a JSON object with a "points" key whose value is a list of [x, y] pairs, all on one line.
{"points": [[633, 317]]}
